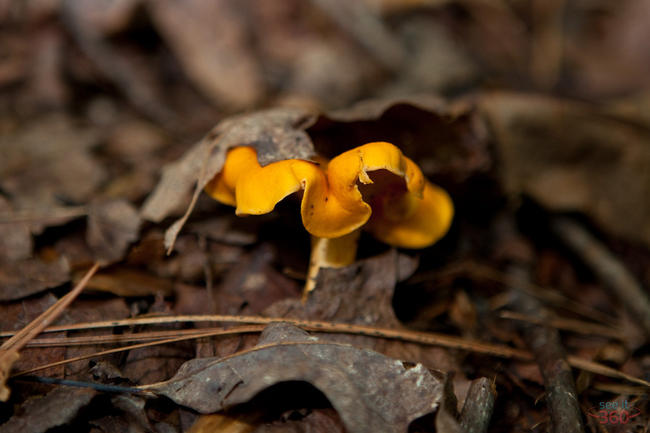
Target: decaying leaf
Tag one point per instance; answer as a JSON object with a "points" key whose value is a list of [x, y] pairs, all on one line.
{"points": [[362, 294], [356, 382], [210, 40], [445, 138], [49, 161], [15, 238], [130, 417], [26, 277], [571, 157], [22, 275], [15, 316], [40, 414], [87, 311], [276, 134], [112, 226]]}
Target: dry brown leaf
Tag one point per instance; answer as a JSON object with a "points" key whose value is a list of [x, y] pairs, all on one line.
{"points": [[252, 285], [444, 138], [49, 161], [126, 282], [362, 294], [20, 274], [40, 414], [17, 315], [276, 134], [15, 238], [355, 381], [570, 157], [112, 226], [27, 277], [89, 310], [228, 229], [130, 416], [106, 17], [210, 41]]}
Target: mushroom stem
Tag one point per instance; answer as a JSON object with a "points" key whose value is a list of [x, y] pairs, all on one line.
{"points": [[330, 253]]}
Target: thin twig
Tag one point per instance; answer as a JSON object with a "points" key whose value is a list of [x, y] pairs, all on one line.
{"points": [[239, 330], [479, 403], [577, 326], [425, 338], [544, 342], [608, 268], [78, 384], [92, 340]]}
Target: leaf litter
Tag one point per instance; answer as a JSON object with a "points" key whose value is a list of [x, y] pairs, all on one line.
{"points": [[96, 98], [353, 380]]}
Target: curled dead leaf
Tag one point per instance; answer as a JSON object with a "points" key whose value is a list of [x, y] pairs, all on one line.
{"points": [[371, 393], [276, 134]]}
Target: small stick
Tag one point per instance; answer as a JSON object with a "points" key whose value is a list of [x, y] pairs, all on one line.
{"points": [[608, 268], [478, 407], [78, 384], [544, 342], [426, 338]]}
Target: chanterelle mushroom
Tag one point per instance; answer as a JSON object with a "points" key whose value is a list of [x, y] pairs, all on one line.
{"points": [[397, 205]]}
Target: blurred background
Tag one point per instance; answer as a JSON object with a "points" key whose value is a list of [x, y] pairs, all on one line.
{"points": [[183, 64], [521, 109], [117, 88]]}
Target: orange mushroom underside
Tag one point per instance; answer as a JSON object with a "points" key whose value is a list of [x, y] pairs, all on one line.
{"points": [[400, 207]]}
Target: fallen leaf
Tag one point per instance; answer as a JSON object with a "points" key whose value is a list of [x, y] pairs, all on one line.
{"points": [[27, 277], [437, 61], [210, 39], [276, 134], [156, 363], [252, 285], [127, 282], [446, 139], [570, 157], [17, 315], [112, 226], [89, 310], [56, 408], [614, 62], [355, 381], [38, 176], [362, 294], [107, 18], [130, 417], [228, 229], [15, 237]]}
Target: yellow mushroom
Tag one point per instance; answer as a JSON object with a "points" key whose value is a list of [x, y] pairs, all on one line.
{"points": [[397, 205]]}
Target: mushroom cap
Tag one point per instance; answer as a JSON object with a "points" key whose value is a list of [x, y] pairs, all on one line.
{"points": [[401, 208]]}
